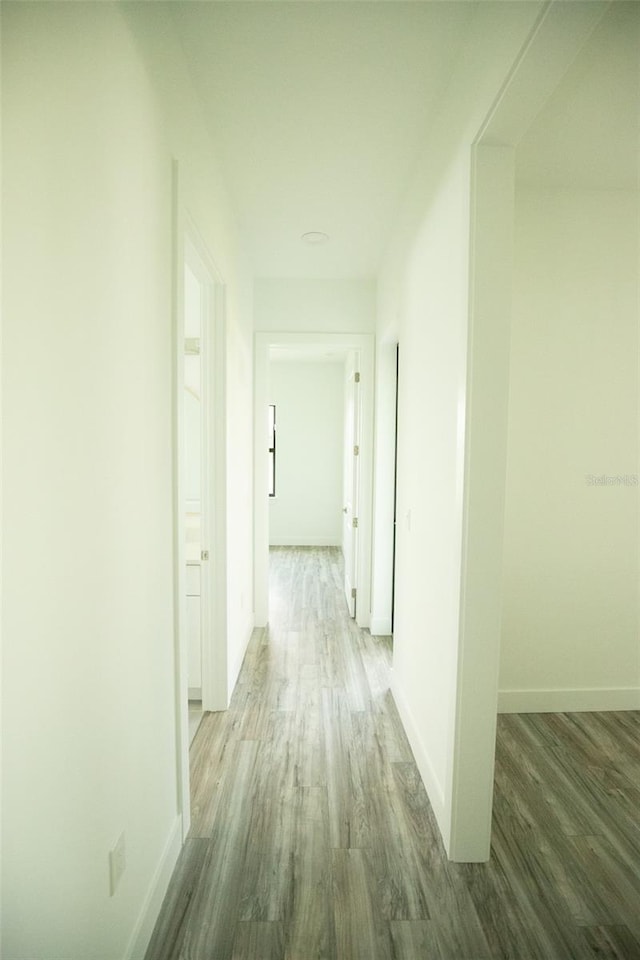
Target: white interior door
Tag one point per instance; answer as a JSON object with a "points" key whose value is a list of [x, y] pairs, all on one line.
{"points": [[351, 480], [200, 469], [195, 469]]}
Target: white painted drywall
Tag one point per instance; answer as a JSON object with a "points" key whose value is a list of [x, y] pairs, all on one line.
{"points": [[192, 392], [192, 304], [88, 541], [570, 620], [423, 300], [471, 775], [309, 399], [430, 461], [571, 577], [192, 435], [88, 615], [315, 306], [204, 194]]}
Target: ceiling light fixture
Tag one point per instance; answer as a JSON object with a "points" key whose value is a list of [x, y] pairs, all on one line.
{"points": [[315, 237]]}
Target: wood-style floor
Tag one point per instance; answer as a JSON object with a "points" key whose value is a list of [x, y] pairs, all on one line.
{"points": [[313, 837]]}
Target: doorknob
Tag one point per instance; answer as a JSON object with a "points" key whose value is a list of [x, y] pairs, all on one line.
{"points": [[344, 509]]}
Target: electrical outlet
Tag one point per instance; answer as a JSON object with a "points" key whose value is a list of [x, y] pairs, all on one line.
{"points": [[117, 864]]}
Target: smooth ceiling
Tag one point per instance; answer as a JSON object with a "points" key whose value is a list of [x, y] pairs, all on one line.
{"points": [[318, 110], [587, 134]]}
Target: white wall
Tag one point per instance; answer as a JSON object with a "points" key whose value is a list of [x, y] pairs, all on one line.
{"points": [[192, 391], [309, 399], [446, 475], [192, 449], [88, 541], [88, 684], [571, 573], [430, 461], [423, 300], [315, 306], [204, 194], [570, 618]]}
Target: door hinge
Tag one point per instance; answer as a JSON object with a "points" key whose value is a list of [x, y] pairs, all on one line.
{"points": [[353, 593], [204, 554], [192, 346], [356, 450], [356, 378], [355, 521]]}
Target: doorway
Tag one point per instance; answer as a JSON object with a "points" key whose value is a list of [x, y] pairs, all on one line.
{"points": [[199, 494], [344, 345]]}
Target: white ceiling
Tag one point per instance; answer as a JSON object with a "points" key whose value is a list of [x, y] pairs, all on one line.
{"points": [[317, 110], [587, 134]]}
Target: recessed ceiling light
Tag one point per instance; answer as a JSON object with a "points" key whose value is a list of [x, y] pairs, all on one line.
{"points": [[315, 237]]}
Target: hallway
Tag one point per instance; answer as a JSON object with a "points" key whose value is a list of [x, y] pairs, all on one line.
{"points": [[312, 836]]}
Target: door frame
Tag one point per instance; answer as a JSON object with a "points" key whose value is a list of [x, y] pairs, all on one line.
{"points": [[351, 476], [556, 38], [364, 343], [190, 247]]}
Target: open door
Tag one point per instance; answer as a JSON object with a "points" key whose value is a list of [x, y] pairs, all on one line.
{"points": [[351, 480], [195, 472]]}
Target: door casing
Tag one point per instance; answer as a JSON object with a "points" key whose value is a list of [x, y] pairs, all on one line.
{"points": [[351, 493], [191, 248], [364, 344]]}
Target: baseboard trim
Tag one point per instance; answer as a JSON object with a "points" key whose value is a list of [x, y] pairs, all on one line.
{"points": [[380, 627], [304, 542], [569, 701], [150, 911], [431, 783], [236, 666]]}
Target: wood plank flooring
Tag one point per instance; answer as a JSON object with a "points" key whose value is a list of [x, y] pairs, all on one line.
{"points": [[313, 838]]}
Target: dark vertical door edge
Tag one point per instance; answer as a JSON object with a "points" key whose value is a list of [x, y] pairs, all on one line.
{"points": [[395, 497]]}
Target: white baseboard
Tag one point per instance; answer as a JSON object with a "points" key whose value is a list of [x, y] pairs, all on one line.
{"points": [[146, 921], [304, 542], [380, 627], [431, 783], [569, 701], [236, 666]]}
